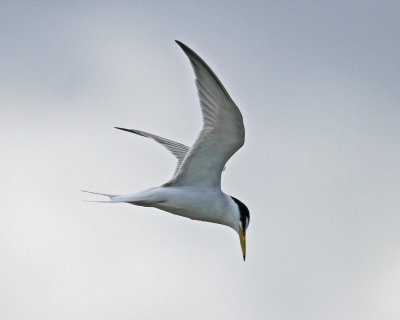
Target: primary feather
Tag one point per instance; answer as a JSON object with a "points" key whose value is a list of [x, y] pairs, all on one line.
{"points": [[179, 150], [222, 134]]}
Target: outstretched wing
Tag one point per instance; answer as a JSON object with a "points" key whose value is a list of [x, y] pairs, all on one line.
{"points": [[222, 133], [179, 150]]}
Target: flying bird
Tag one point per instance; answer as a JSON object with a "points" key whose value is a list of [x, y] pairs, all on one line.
{"points": [[194, 191]]}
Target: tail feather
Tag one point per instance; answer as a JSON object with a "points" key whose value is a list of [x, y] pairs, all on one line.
{"points": [[111, 196], [101, 194], [143, 198]]}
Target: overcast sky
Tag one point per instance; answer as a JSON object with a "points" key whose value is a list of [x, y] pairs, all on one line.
{"points": [[318, 85]]}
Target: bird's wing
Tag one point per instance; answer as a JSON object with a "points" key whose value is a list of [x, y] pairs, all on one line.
{"points": [[222, 133], [179, 150]]}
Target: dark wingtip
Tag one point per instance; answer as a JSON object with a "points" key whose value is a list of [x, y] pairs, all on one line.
{"points": [[131, 130], [184, 47], [244, 257], [123, 129]]}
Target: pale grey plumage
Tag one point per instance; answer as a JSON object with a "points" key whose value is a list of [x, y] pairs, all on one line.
{"points": [[222, 134], [179, 150], [195, 189]]}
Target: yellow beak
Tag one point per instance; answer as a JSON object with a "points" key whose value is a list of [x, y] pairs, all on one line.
{"points": [[242, 238]]}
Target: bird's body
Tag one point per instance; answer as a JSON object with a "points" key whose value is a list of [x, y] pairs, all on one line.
{"points": [[194, 191], [203, 204]]}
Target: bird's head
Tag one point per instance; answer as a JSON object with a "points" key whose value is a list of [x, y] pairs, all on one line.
{"points": [[242, 224]]}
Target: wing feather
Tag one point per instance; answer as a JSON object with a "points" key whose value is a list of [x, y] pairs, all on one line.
{"points": [[179, 150], [222, 134]]}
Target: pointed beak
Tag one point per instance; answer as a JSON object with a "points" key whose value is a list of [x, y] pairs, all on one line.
{"points": [[242, 237]]}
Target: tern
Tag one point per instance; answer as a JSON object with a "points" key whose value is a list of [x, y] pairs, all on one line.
{"points": [[194, 191]]}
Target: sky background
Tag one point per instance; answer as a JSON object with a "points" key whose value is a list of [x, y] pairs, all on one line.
{"points": [[318, 85]]}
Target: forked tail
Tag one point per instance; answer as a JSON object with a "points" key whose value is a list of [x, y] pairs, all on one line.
{"points": [[111, 196], [144, 198]]}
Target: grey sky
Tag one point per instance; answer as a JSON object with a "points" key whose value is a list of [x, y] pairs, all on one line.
{"points": [[318, 85]]}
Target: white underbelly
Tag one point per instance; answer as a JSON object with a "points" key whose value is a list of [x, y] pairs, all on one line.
{"points": [[194, 204]]}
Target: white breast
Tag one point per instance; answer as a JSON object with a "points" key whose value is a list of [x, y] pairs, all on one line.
{"points": [[211, 205]]}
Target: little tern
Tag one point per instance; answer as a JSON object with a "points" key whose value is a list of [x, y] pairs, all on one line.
{"points": [[194, 191]]}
